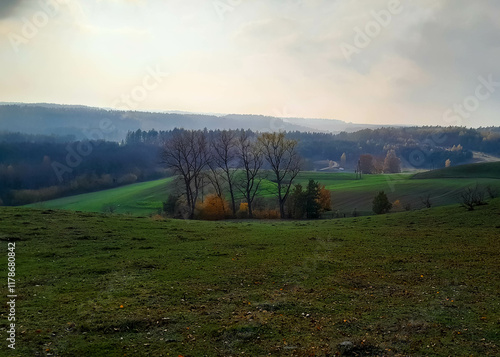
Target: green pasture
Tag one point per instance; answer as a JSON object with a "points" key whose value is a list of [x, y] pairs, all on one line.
{"points": [[348, 193], [421, 283]]}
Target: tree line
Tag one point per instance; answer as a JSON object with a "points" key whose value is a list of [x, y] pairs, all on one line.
{"points": [[235, 162], [433, 143], [28, 169], [27, 174]]}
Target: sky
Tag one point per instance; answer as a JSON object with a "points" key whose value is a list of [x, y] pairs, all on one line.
{"points": [[425, 62]]}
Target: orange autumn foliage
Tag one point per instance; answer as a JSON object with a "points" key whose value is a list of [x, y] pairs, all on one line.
{"points": [[213, 208], [267, 214], [324, 199]]}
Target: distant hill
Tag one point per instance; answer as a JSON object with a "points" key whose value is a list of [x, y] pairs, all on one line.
{"points": [[482, 170], [54, 119]]}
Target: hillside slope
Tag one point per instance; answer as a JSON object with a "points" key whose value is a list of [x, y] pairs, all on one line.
{"points": [[139, 199], [51, 119], [480, 170], [347, 193], [415, 283]]}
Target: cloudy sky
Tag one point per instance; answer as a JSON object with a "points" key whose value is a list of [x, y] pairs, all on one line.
{"points": [[425, 62]]}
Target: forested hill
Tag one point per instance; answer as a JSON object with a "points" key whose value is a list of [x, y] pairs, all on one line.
{"points": [[78, 121]]}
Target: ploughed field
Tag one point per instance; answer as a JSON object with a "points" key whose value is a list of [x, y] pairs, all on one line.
{"points": [[413, 283], [444, 187]]}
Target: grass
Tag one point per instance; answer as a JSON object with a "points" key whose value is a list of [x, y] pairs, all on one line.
{"points": [[347, 193], [138, 199], [483, 170], [421, 283]]}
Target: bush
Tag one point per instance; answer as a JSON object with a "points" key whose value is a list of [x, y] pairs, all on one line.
{"points": [[127, 179], [493, 193], [426, 201], [109, 208], [157, 217], [296, 203], [170, 206], [472, 197], [381, 203], [214, 208], [324, 199], [243, 211], [267, 214]]}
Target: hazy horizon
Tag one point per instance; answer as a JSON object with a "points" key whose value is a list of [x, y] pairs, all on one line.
{"points": [[378, 62]]}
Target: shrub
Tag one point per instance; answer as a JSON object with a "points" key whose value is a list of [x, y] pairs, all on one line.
{"points": [[296, 203], [324, 199], [170, 206], [426, 201], [109, 208], [381, 203], [243, 211], [157, 217], [493, 193], [267, 214], [127, 179], [213, 208], [396, 205], [472, 197]]}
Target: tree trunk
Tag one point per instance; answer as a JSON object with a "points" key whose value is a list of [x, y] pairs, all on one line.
{"points": [[233, 202]]}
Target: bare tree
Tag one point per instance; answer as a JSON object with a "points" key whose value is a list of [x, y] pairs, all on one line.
{"points": [[426, 201], [186, 154], [251, 160], [472, 197], [492, 192], [281, 154], [223, 152]]}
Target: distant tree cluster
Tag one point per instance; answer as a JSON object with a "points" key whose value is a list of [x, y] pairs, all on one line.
{"points": [[369, 164], [309, 203], [28, 170], [232, 162], [422, 147], [27, 161]]}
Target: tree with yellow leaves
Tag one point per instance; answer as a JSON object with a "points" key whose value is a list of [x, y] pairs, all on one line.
{"points": [[213, 208]]}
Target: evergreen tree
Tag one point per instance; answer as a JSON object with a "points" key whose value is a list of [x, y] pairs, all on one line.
{"points": [[381, 203], [312, 205], [297, 203]]}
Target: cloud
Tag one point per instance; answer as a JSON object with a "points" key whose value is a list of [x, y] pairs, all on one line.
{"points": [[265, 55], [455, 44]]}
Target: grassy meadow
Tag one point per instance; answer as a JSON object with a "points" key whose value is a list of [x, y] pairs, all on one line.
{"points": [[443, 186], [421, 283]]}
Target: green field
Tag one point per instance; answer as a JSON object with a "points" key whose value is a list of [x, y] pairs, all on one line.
{"points": [[347, 193], [421, 283], [139, 199], [484, 170]]}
